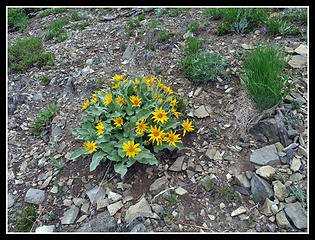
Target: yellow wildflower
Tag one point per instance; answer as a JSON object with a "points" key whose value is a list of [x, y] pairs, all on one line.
{"points": [[172, 138], [86, 104], [135, 100], [135, 82], [174, 112], [120, 100], [100, 128], [108, 98], [156, 134], [118, 122], [90, 146], [141, 127], [131, 149], [118, 77], [159, 115], [187, 126]]}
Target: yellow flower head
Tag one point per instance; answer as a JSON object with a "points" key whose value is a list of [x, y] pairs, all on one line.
{"points": [[135, 82], [135, 100], [160, 85], [95, 100], [120, 100], [174, 112], [172, 138], [90, 146], [131, 149], [159, 115], [135, 90], [108, 98], [187, 126], [86, 104], [168, 89], [156, 134], [172, 100], [100, 128], [141, 127], [116, 85], [118, 122], [144, 78], [118, 77]]}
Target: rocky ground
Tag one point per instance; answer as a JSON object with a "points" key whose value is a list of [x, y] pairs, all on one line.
{"points": [[228, 147]]}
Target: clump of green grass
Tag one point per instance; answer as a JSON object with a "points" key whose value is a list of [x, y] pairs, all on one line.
{"points": [[25, 53], [74, 16], [264, 76], [277, 25], [174, 12], [44, 79], [294, 14], [25, 219], [194, 45], [193, 26], [17, 18], [164, 36], [56, 31], [43, 119], [237, 20], [202, 67]]}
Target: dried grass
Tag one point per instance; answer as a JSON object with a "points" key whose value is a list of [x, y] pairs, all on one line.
{"points": [[245, 112]]}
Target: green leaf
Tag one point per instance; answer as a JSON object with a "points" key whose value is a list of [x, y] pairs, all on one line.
{"points": [[160, 147], [97, 157], [102, 139], [129, 110], [78, 153], [121, 153], [145, 156], [107, 147], [130, 162], [113, 156], [171, 123], [120, 168]]}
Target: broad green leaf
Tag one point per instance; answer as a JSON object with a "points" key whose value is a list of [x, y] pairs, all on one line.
{"points": [[121, 153], [78, 153], [130, 110], [120, 168], [113, 156], [171, 123], [130, 162], [106, 147], [160, 147], [97, 157], [102, 139], [145, 156]]}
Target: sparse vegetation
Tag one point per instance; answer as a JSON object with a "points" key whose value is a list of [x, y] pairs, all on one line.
{"points": [[56, 31], [25, 219], [28, 52]]}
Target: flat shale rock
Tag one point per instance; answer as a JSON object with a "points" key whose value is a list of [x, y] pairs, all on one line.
{"points": [[103, 222], [34, 196], [260, 188], [296, 214], [70, 215], [265, 156]]}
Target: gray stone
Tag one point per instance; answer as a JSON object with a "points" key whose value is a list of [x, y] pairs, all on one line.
{"points": [[34, 196], [177, 165], [85, 207], [130, 52], [142, 207], [96, 194], [238, 211], [103, 222], [188, 34], [241, 180], [89, 62], [295, 164], [86, 69], [180, 191], [114, 196], [46, 183], [201, 112], [247, 46], [137, 219], [260, 188], [282, 220], [49, 228], [138, 228], [265, 156], [210, 153], [101, 204], [241, 190], [266, 127], [265, 171], [280, 190], [296, 214], [282, 131], [113, 208], [10, 200], [70, 215], [267, 207], [298, 61], [296, 177], [302, 50], [158, 185]]}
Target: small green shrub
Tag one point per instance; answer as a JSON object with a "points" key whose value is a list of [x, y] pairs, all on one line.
{"points": [[44, 79], [164, 36], [74, 16], [194, 45], [237, 20], [294, 14], [17, 18], [193, 26], [264, 76], [84, 25], [25, 219], [25, 53], [133, 23], [174, 12], [280, 26], [56, 31], [43, 119], [202, 67]]}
